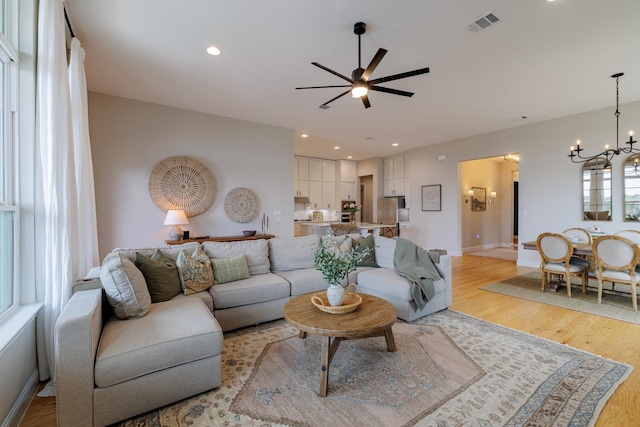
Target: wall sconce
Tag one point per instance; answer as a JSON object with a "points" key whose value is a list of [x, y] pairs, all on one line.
{"points": [[469, 196], [492, 197]]}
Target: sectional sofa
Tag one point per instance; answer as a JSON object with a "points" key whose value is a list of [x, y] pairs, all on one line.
{"points": [[119, 355]]}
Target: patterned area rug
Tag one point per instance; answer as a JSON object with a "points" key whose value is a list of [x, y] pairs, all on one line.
{"points": [[500, 253], [613, 306], [450, 370]]}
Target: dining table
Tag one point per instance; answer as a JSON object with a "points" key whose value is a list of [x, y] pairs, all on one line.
{"points": [[579, 248]]}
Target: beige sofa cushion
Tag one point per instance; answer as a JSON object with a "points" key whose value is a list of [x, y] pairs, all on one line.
{"points": [[255, 289], [124, 286], [172, 333], [386, 283], [170, 251], [292, 253], [255, 251]]}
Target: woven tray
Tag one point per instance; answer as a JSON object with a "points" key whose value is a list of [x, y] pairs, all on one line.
{"points": [[351, 301]]}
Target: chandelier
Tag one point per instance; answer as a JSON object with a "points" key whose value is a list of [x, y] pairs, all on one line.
{"points": [[608, 153]]}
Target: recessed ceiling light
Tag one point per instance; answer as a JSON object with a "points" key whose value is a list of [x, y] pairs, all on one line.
{"points": [[212, 50], [304, 135], [336, 148], [349, 157], [395, 144]]}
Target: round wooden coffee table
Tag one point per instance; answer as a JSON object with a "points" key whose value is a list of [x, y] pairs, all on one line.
{"points": [[373, 318]]}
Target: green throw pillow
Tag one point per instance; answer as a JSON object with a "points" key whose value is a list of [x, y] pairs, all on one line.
{"points": [[230, 269], [161, 276], [370, 259]]}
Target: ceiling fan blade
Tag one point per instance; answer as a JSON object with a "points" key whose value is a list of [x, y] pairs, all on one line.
{"points": [[365, 101], [333, 99], [373, 64], [335, 73], [393, 91], [400, 76], [321, 87]]}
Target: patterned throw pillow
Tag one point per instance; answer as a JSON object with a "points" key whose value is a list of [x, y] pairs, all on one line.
{"points": [[342, 249], [196, 274], [227, 270], [161, 275], [370, 259]]}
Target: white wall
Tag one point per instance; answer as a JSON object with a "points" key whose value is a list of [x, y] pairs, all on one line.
{"points": [[129, 138], [550, 185]]}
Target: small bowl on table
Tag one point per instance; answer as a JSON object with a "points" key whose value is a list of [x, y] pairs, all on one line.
{"points": [[249, 233]]}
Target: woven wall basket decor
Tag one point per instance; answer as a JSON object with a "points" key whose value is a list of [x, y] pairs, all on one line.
{"points": [[241, 205], [182, 183]]}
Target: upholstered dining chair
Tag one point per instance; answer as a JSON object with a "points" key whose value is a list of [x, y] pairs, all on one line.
{"points": [[616, 261], [633, 235], [556, 252], [582, 235]]}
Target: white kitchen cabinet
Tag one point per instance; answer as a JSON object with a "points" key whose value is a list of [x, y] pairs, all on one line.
{"points": [[394, 176], [300, 188], [315, 169], [315, 194], [328, 195], [300, 177], [348, 171], [348, 191], [329, 171]]}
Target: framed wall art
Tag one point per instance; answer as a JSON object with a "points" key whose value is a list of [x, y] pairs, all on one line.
{"points": [[432, 197], [479, 199]]}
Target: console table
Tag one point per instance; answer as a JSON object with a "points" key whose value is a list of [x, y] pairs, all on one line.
{"points": [[219, 239]]}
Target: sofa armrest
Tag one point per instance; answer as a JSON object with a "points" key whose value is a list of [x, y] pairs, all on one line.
{"points": [[77, 335], [445, 269]]}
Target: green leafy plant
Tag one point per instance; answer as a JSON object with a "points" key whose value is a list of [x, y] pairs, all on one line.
{"points": [[335, 266]]}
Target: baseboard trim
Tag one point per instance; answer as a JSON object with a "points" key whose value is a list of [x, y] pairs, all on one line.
{"points": [[19, 408]]}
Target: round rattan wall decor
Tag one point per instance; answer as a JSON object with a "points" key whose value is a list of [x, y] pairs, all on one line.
{"points": [[182, 183], [241, 205]]}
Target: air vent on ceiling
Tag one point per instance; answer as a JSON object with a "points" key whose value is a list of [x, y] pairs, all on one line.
{"points": [[483, 22]]}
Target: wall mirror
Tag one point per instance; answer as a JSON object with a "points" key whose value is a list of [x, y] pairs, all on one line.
{"points": [[632, 188], [596, 190]]}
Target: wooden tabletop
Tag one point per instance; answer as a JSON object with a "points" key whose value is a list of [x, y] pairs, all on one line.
{"points": [[220, 239], [372, 317], [578, 248]]}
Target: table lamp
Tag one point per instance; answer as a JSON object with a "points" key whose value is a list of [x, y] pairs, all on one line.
{"points": [[176, 218]]}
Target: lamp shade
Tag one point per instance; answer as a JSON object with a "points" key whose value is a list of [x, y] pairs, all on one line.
{"points": [[176, 217]]}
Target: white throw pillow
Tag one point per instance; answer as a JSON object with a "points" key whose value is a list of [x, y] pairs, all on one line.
{"points": [[125, 286], [384, 250]]}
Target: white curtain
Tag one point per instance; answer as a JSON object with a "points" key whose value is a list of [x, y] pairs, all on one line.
{"points": [[63, 166], [87, 222]]}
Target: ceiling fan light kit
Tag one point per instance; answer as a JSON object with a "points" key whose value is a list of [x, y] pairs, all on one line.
{"points": [[360, 83]]}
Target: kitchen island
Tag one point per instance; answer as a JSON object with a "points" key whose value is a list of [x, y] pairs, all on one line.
{"points": [[324, 228]]}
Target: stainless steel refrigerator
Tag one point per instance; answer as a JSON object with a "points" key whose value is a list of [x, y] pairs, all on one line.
{"points": [[392, 210]]}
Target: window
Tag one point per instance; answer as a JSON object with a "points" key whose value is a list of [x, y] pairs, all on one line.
{"points": [[8, 211]]}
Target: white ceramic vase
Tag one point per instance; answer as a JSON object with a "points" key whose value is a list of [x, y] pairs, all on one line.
{"points": [[335, 295]]}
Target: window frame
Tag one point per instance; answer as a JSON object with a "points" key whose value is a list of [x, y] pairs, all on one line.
{"points": [[9, 138]]}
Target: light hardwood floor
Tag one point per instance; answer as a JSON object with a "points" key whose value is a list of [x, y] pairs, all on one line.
{"points": [[609, 338]]}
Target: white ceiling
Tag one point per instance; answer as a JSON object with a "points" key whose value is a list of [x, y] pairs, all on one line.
{"points": [[544, 60]]}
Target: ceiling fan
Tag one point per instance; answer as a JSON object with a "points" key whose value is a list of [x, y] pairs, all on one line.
{"points": [[360, 84]]}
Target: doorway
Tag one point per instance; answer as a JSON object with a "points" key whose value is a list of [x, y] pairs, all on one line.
{"points": [[366, 198]]}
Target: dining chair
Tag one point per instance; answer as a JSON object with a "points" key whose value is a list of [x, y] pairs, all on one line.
{"points": [[616, 261], [582, 235], [556, 252], [633, 235]]}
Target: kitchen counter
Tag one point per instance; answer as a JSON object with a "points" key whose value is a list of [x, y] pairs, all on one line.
{"points": [[323, 228]]}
